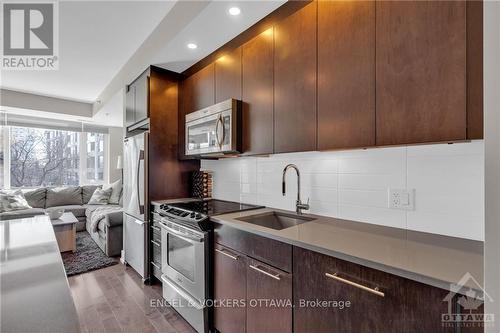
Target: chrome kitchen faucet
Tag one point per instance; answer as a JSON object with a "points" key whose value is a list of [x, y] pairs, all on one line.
{"points": [[299, 205]]}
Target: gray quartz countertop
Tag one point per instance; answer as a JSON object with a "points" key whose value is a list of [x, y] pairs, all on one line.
{"points": [[34, 290], [428, 258]]}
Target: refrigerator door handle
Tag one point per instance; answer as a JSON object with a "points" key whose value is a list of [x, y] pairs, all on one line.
{"points": [[138, 183]]}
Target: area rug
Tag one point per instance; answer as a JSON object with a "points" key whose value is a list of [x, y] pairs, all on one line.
{"points": [[87, 257]]}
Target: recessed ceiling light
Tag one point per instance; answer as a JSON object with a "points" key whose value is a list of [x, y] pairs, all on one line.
{"points": [[192, 46], [234, 11]]}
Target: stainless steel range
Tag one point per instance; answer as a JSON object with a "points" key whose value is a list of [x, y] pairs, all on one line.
{"points": [[186, 236]]}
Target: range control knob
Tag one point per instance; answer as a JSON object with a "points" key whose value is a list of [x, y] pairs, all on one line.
{"points": [[192, 215], [198, 216]]}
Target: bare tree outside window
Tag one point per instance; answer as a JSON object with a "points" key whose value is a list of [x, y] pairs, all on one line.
{"points": [[43, 157]]}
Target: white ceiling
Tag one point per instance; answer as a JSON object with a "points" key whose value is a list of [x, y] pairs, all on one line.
{"points": [[98, 38], [211, 29]]}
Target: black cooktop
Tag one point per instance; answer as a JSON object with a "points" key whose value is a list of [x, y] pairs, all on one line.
{"points": [[212, 207]]}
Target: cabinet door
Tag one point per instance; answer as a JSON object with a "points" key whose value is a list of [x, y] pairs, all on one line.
{"points": [[197, 92], [425, 306], [295, 82], [142, 97], [420, 71], [346, 74], [269, 299], [228, 76], [130, 106], [229, 285], [357, 309], [257, 96]]}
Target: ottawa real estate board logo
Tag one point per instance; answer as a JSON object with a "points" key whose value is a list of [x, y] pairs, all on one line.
{"points": [[30, 36]]}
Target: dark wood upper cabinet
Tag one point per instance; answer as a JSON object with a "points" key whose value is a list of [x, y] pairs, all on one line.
{"points": [[295, 81], [257, 96], [475, 115], [346, 74], [228, 76], [230, 283], [420, 71], [265, 282], [197, 92]]}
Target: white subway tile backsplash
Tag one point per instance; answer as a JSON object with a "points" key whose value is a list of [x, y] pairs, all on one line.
{"points": [[448, 182]]}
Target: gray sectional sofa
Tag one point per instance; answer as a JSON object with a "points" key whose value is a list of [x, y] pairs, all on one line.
{"points": [[109, 234]]}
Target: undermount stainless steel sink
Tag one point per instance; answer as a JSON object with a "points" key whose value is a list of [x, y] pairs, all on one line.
{"points": [[276, 220]]}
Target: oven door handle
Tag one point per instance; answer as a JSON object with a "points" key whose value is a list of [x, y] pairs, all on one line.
{"points": [[182, 293], [187, 238]]}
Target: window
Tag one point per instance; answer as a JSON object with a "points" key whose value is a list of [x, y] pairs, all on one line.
{"points": [[34, 157]]}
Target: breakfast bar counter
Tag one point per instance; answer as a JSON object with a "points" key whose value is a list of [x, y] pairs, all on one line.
{"points": [[34, 290]]}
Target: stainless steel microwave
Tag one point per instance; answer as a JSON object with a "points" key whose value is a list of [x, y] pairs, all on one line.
{"points": [[214, 130]]}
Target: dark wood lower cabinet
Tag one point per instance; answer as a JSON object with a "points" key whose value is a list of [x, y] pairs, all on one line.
{"points": [[229, 290], [406, 306], [331, 296], [326, 294], [269, 299]]}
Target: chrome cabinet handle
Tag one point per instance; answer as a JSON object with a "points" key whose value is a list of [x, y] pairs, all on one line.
{"points": [[227, 254], [374, 291], [256, 267], [155, 228], [156, 243], [154, 264]]}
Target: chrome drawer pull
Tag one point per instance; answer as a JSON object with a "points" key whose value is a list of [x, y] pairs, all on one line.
{"points": [[156, 243], [154, 264], [375, 290], [155, 228], [276, 277], [227, 254]]}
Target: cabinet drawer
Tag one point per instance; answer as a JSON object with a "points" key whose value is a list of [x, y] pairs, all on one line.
{"points": [[156, 268], [156, 233], [376, 299], [156, 251], [267, 250]]}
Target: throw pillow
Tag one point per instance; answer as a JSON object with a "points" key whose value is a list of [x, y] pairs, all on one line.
{"points": [[12, 200], [35, 197], [87, 191], [114, 199], [100, 196]]}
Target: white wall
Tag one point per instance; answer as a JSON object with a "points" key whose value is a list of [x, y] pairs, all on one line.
{"points": [[492, 159], [448, 180], [115, 149]]}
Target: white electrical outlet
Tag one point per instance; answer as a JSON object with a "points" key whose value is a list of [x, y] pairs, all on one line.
{"points": [[401, 199]]}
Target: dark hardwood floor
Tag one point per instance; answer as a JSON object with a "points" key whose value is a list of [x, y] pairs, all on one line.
{"points": [[114, 299]]}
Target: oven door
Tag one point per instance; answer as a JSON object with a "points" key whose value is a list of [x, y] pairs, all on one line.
{"points": [[183, 258], [210, 134]]}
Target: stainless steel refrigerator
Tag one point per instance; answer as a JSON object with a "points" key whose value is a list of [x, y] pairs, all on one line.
{"points": [[135, 219]]}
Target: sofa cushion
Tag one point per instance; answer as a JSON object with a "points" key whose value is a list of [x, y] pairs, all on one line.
{"points": [[20, 214], [77, 210], [63, 196], [36, 197], [87, 191]]}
